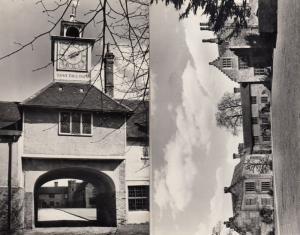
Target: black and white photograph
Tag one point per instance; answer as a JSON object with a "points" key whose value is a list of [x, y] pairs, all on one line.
{"points": [[74, 117], [149, 117]]}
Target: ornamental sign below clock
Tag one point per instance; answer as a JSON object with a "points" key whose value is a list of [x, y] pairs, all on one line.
{"points": [[72, 57]]}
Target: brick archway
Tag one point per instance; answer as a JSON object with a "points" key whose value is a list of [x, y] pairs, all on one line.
{"points": [[104, 185]]}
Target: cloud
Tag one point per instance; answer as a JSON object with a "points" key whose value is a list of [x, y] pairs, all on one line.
{"points": [[175, 181], [202, 229]]}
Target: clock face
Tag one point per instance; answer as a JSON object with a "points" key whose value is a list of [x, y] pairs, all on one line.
{"points": [[72, 57]]}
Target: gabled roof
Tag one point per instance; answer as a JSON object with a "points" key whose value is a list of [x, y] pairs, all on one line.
{"points": [[75, 96], [138, 123], [230, 73], [9, 113]]}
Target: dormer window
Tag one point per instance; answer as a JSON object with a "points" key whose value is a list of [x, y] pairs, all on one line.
{"points": [[227, 63], [72, 32], [75, 123]]}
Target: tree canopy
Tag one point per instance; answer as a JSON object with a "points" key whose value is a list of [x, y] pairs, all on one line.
{"points": [[229, 114], [219, 12]]}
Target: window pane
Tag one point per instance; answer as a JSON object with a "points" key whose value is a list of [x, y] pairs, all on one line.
{"points": [[226, 63], [253, 99], [250, 186], [265, 186], [76, 123], [259, 71], [243, 62], [86, 123], [65, 122], [254, 120], [138, 197], [264, 99]]}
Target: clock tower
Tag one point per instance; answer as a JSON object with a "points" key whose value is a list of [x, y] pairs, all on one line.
{"points": [[71, 53]]}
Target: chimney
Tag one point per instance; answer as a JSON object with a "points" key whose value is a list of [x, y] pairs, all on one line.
{"points": [[55, 184], [235, 156], [211, 40], [204, 24], [202, 28], [109, 72]]}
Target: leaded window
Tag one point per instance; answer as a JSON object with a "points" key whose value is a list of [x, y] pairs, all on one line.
{"points": [[75, 123], [250, 186], [226, 62], [265, 186], [138, 197]]}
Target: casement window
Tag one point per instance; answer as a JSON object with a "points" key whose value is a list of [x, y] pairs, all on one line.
{"points": [[265, 120], [264, 99], [256, 139], [265, 186], [51, 195], [266, 201], [138, 197], [227, 63], [75, 123], [253, 100], [243, 62], [250, 201], [259, 71], [254, 120], [249, 186], [266, 138]]}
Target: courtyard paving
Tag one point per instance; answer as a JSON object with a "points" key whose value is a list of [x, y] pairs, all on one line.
{"points": [[286, 118], [133, 229]]}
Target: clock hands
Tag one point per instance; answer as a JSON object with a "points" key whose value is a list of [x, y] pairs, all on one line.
{"points": [[74, 54]]}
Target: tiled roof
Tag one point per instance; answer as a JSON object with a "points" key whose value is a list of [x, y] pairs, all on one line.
{"points": [[75, 96], [138, 123], [9, 113], [53, 190]]}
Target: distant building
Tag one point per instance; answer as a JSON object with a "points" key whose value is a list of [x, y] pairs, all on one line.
{"points": [[246, 57], [75, 195], [252, 195], [53, 197]]}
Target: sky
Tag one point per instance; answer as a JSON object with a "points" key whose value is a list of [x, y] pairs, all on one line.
{"points": [[191, 156]]}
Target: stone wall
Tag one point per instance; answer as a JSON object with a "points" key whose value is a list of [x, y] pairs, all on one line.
{"points": [[17, 213], [121, 196]]}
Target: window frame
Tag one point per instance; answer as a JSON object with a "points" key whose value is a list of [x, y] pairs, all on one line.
{"points": [[266, 201], [253, 99], [269, 187], [231, 63], [252, 199], [254, 186], [243, 64], [259, 71], [81, 127], [254, 120], [147, 198], [264, 99]]}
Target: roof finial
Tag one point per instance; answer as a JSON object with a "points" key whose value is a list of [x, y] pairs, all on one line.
{"points": [[74, 5], [107, 48]]}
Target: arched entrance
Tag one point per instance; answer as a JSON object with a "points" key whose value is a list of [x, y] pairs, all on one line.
{"points": [[105, 196]]}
